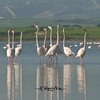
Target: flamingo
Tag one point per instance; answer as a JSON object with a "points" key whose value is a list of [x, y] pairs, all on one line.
{"points": [[54, 50], [40, 49], [51, 44], [18, 48], [8, 48], [44, 45], [49, 57], [8, 44], [58, 50], [67, 51], [81, 52]]}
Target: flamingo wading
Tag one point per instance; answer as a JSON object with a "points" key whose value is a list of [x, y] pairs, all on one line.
{"points": [[81, 52], [40, 49], [54, 50], [18, 48], [67, 51]]}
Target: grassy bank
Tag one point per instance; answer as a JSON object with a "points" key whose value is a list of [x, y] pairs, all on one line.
{"points": [[73, 32]]}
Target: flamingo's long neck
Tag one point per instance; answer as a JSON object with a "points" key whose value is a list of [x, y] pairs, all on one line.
{"points": [[13, 41], [51, 38], [63, 38], [21, 38], [57, 35], [37, 37], [8, 38], [85, 40], [45, 39]]}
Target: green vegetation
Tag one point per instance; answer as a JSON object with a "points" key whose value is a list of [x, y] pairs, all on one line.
{"points": [[72, 31]]}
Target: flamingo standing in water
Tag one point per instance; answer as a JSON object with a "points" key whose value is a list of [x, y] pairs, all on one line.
{"points": [[54, 50], [8, 46], [19, 46], [9, 51], [40, 49], [44, 45], [51, 44], [81, 52], [67, 51]]}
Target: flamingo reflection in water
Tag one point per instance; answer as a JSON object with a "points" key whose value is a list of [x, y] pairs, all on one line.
{"points": [[38, 81], [66, 80], [48, 81], [74, 82], [14, 82], [81, 73]]}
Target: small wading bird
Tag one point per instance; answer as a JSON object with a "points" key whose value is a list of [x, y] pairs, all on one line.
{"points": [[40, 49], [82, 50], [67, 51], [54, 50], [18, 48]]}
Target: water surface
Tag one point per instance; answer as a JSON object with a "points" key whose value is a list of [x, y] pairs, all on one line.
{"points": [[30, 80]]}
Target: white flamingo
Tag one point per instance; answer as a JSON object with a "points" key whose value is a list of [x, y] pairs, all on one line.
{"points": [[54, 50], [18, 48], [9, 49], [51, 44], [40, 49], [67, 51], [44, 44], [8, 46], [82, 50], [8, 52]]}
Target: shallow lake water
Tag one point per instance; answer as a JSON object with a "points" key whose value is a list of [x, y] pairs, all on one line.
{"points": [[30, 80]]}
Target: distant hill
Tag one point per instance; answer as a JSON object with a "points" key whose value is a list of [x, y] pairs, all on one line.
{"points": [[50, 9]]}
